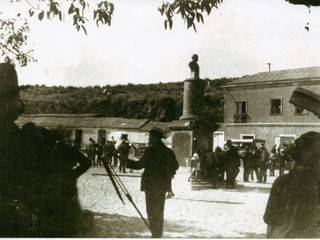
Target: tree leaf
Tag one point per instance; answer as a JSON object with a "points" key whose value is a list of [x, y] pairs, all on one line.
{"points": [[84, 29], [40, 16], [170, 23]]}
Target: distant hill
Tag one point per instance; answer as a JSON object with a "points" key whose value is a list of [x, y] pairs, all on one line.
{"points": [[159, 102]]}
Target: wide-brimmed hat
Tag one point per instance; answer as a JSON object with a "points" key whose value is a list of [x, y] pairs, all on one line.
{"points": [[8, 78], [155, 131], [124, 136]]}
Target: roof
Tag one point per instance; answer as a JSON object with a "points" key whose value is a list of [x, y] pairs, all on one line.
{"points": [[62, 115], [165, 126], [100, 122], [299, 74]]}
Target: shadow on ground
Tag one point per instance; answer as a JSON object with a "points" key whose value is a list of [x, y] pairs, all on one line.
{"points": [[120, 226], [202, 184]]}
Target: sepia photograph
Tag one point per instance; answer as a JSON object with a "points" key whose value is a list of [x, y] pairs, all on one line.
{"points": [[160, 119]]}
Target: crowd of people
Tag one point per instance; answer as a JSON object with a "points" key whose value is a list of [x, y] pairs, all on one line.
{"points": [[224, 165], [112, 152]]}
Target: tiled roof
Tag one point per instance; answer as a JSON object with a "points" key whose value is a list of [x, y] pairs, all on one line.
{"points": [[103, 122], [299, 74]]}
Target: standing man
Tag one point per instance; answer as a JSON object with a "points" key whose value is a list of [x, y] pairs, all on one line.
{"points": [[123, 148], [90, 150], [273, 159], [211, 166], [264, 160], [254, 161], [233, 163], [160, 165], [246, 164], [114, 151], [283, 158]]}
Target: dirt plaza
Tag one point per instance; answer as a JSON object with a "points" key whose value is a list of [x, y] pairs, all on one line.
{"points": [[196, 210]]}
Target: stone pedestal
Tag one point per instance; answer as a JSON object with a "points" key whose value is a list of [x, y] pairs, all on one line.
{"points": [[188, 137], [193, 99]]}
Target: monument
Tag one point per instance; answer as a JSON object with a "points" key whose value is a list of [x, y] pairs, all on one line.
{"points": [[189, 133]]}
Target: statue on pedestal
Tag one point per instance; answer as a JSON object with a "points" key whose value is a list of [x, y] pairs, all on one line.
{"points": [[194, 67]]}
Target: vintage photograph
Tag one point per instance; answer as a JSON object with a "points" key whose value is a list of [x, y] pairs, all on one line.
{"points": [[160, 119]]}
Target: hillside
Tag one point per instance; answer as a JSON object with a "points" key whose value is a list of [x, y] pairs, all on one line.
{"points": [[158, 102]]}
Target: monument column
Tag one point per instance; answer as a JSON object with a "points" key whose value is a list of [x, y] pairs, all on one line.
{"points": [[193, 93], [189, 134]]}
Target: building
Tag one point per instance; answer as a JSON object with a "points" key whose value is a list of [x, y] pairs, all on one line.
{"points": [[257, 107], [79, 127]]}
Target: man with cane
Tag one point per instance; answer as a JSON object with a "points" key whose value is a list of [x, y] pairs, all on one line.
{"points": [[160, 165]]}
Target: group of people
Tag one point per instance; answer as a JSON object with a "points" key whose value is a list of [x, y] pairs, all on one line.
{"points": [[255, 161], [112, 152], [106, 150], [221, 165]]}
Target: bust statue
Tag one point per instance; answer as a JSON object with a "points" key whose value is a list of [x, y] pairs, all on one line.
{"points": [[194, 67]]}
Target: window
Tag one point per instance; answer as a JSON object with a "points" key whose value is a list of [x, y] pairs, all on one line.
{"points": [[241, 107], [247, 136], [300, 111], [276, 107]]}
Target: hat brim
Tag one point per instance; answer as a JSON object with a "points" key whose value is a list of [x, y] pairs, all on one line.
{"points": [[156, 134]]}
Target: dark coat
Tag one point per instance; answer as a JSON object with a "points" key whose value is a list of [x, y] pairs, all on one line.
{"points": [[38, 192], [160, 166], [293, 206]]}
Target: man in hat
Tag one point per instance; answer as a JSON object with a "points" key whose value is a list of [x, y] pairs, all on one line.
{"points": [[160, 164], [123, 147], [38, 193]]}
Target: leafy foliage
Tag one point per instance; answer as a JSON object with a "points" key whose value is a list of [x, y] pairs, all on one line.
{"points": [[189, 10], [158, 102], [308, 3], [13, 36]]}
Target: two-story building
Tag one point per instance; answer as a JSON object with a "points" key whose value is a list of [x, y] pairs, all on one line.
{"points": [[257, 107]]}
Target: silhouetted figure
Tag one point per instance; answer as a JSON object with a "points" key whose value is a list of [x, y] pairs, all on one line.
{"points": [[38, 192], [293, 206], [211, 166], [233, 164], [160, 165]]}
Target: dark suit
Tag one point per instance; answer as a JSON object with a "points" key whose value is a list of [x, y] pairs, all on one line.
{"points": [[160, 165], [293, 205]]}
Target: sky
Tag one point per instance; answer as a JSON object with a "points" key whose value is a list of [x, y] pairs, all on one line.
{"points": [[239, 38]]}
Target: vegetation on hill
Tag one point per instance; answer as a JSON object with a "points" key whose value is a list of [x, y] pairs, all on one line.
{"points": [[158, 102]]}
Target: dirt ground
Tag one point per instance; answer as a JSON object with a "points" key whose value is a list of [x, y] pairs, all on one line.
{"points": [[196, 210]]}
